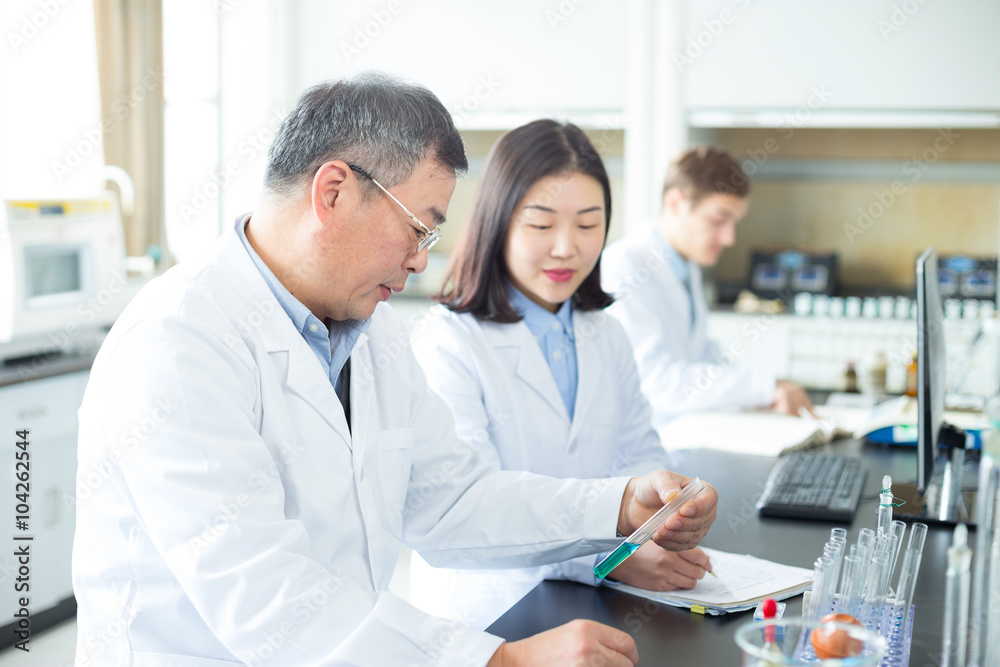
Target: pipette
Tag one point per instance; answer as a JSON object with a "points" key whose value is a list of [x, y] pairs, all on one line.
{"points": [[646, 530]]}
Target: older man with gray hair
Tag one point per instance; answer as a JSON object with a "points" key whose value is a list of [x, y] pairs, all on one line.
{"points": [[293, 442]]}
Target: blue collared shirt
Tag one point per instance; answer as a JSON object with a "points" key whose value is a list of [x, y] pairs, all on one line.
{"points": [[681, 268], [554, 333], [332, 342]]}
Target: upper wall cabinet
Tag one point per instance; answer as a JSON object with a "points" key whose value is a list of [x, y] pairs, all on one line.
{"points": [[844, 63], [494, 65]]}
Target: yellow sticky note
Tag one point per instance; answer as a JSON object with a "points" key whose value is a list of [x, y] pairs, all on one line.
{"points": [[698, 609]]}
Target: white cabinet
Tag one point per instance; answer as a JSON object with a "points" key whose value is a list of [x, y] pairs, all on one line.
{"points": [[813, 351], [498, 64], [47, 408], [844, 55]]}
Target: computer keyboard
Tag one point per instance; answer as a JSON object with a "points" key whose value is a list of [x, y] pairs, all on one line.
{"points": [[813, 486]]}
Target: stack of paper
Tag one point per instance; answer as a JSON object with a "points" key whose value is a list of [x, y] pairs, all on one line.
{"points": [[761, 433], [741, 582]]}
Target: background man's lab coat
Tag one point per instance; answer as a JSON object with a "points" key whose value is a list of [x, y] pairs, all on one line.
{"points": [[505, 400], [226, 514], [681, 369]]}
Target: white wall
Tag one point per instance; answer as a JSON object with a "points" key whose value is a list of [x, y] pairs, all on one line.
{"points": [[51, 132]]}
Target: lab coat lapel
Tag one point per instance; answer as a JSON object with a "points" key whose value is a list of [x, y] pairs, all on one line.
{"points": [[699, 325], [531, 366], [284, 345], [676, 297], [362, 395], [307, 380]]}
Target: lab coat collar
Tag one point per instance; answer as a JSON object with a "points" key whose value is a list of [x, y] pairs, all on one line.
{"points": [[260, 310], [530, 363]]}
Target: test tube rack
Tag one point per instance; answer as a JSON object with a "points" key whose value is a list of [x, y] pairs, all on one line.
{"points": [[894, 626]]}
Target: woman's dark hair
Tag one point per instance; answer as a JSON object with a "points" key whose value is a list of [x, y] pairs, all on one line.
{"points": [[476, 279]]}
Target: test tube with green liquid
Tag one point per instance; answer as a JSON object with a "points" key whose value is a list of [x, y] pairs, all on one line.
{"points": [[646, 530]]}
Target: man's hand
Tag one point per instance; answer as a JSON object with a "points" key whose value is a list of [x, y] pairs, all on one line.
{"points": [[580, 643], [656, 569], [790, 399], [681, 531]]}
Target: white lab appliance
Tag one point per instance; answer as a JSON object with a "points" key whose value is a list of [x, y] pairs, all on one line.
{"points": [[62, 273]]}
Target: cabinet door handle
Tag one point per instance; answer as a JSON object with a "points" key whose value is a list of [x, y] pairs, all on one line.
{"points": [[54, 512], [33, 412]]}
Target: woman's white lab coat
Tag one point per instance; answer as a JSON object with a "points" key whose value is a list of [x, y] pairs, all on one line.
{"points": [[225, 512], [497, 383], [681, 369]]}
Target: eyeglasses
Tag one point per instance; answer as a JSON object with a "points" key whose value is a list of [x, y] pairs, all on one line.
{"points": [[430, 236]]}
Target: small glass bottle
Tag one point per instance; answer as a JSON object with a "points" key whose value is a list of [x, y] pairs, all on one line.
{"points": [[850, 380], [911, 376], [875, 371]]}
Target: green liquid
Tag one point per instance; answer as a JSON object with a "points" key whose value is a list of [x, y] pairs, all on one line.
{"points": [[624, 550]]}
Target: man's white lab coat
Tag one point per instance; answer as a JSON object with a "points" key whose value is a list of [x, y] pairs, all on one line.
{"points": [[505, 400], [226, 514], [681, 369]]}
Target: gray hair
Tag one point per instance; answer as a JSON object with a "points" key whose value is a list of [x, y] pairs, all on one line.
{"points": [[374, 121]]}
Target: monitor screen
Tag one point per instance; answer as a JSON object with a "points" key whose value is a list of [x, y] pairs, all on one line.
{"points": [[931, 369]]}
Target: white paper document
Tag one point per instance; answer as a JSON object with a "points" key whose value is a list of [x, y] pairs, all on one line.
{"points": [[741, 582], [760, 433]]}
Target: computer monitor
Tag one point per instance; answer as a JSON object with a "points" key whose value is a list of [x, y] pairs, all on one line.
{"points": [[938, 495], [931, 369]]}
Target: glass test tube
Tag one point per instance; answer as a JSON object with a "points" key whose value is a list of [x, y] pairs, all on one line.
{"points": [[822, 597], [875, 587], [895, 537], [987, 532], [991, 654], [835, 550], [898, 530], [956, 600], [911, 568], [851, 586], [818, 584], [866, 548]]}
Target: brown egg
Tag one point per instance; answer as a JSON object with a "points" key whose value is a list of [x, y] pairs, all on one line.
{"points": [[835, 643]]}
